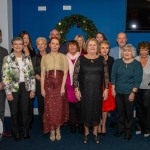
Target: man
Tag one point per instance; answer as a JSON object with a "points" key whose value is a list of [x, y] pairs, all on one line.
{"points": [[3, 53], [121, 40], [115, 53], [56, 33]]}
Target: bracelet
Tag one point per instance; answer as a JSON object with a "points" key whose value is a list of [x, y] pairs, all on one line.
{"points": [[133, 92]]}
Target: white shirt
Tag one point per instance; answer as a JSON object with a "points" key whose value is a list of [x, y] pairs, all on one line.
{"points": [[21, 64]]}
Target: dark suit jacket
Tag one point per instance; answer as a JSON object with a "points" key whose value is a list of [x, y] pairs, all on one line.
{"points": [[3, 53]]}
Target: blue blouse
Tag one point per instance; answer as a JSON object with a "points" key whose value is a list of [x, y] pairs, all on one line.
{"points": [[125, 77]]}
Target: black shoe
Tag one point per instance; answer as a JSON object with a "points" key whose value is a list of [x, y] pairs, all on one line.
{"points": [[26, 136], [118, 133], [127, 136], [17, 137], [112, 124], [6, 134], [103, 134], [96, 139]]}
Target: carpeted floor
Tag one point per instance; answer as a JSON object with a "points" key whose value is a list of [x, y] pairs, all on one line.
{"points": [[70, 141]]}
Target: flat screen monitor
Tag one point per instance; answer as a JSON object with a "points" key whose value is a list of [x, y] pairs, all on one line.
{"points": [[138, 15]]}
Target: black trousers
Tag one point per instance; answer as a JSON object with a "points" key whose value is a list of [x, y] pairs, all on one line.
{"points": [[2, 104], [125, 113], [40, 100], [19, 108], [31, 115], [74, 113], [143, 110]]}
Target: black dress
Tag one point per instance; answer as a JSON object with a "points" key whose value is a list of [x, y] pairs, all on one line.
{"points": [[89, 76]]}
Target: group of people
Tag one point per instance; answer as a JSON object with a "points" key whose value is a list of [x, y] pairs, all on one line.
{"points": [[76, 84]]}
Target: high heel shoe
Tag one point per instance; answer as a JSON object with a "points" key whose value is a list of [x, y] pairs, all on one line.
{"points": [[58, 135], [96, 139], [103, 133], [99, 129], [86, 139], [52, 135]]}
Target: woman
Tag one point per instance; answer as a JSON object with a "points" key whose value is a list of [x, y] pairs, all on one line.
{"points": [[28, 50], [126, 77], [100, 37], [80, 39], [74, 106], [108, 104], [54, 69], [41, 44], [90, 72], [143, 95], [19, 85]]}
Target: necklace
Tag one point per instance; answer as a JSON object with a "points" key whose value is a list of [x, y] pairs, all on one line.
{"points": [[92, 58], [127, 62]]}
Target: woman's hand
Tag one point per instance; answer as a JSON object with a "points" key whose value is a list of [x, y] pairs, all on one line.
{"points": [[43, 92], [105, 94], [1, 85], [131, 97], [113, 92], [10, 97], [62, 91], [78, 95], [32, 94]]}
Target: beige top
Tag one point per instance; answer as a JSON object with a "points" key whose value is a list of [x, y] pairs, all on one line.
{"points": [[57, 62]]}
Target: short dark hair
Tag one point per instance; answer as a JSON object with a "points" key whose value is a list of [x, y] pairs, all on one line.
{"points": [[73, 42], [143, 44]]}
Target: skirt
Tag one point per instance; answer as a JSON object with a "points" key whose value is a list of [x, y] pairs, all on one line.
{"points": [[109, 104]]}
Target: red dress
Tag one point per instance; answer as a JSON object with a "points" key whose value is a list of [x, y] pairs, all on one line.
{"points": [[56, 111], [109, 104]]}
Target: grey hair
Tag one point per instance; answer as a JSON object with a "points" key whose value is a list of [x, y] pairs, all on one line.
{"points": [[130, 48]]}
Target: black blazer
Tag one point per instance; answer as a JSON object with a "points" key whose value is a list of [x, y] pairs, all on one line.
{"points": [[3, 53]]}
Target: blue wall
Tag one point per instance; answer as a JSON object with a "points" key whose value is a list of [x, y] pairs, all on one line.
{"points": [[108, 16]]}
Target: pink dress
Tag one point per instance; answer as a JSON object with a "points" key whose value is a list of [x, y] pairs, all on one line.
{"points": [[70, 90]]}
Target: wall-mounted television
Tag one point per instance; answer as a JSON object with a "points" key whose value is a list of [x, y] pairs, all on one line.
{"points": [[138, 15]]}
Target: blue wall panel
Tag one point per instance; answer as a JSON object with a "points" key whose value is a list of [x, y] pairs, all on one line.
{"points": [[108, 16]]}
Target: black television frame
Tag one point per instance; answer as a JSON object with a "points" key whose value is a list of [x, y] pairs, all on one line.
{"points": [[136, 7]]}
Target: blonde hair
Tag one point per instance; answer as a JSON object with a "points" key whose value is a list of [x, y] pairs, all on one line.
{"points": [[103, 42], [80, 36], [130, 48], [92, 39], [41, 39]]}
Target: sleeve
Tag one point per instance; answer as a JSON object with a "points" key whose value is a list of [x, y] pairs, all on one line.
{"points": [[32, 76], [66, 65], [113, 73], [42, 64], [35, 67], [138, 74], [6, 74], [76, 73], [106, 74]]}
